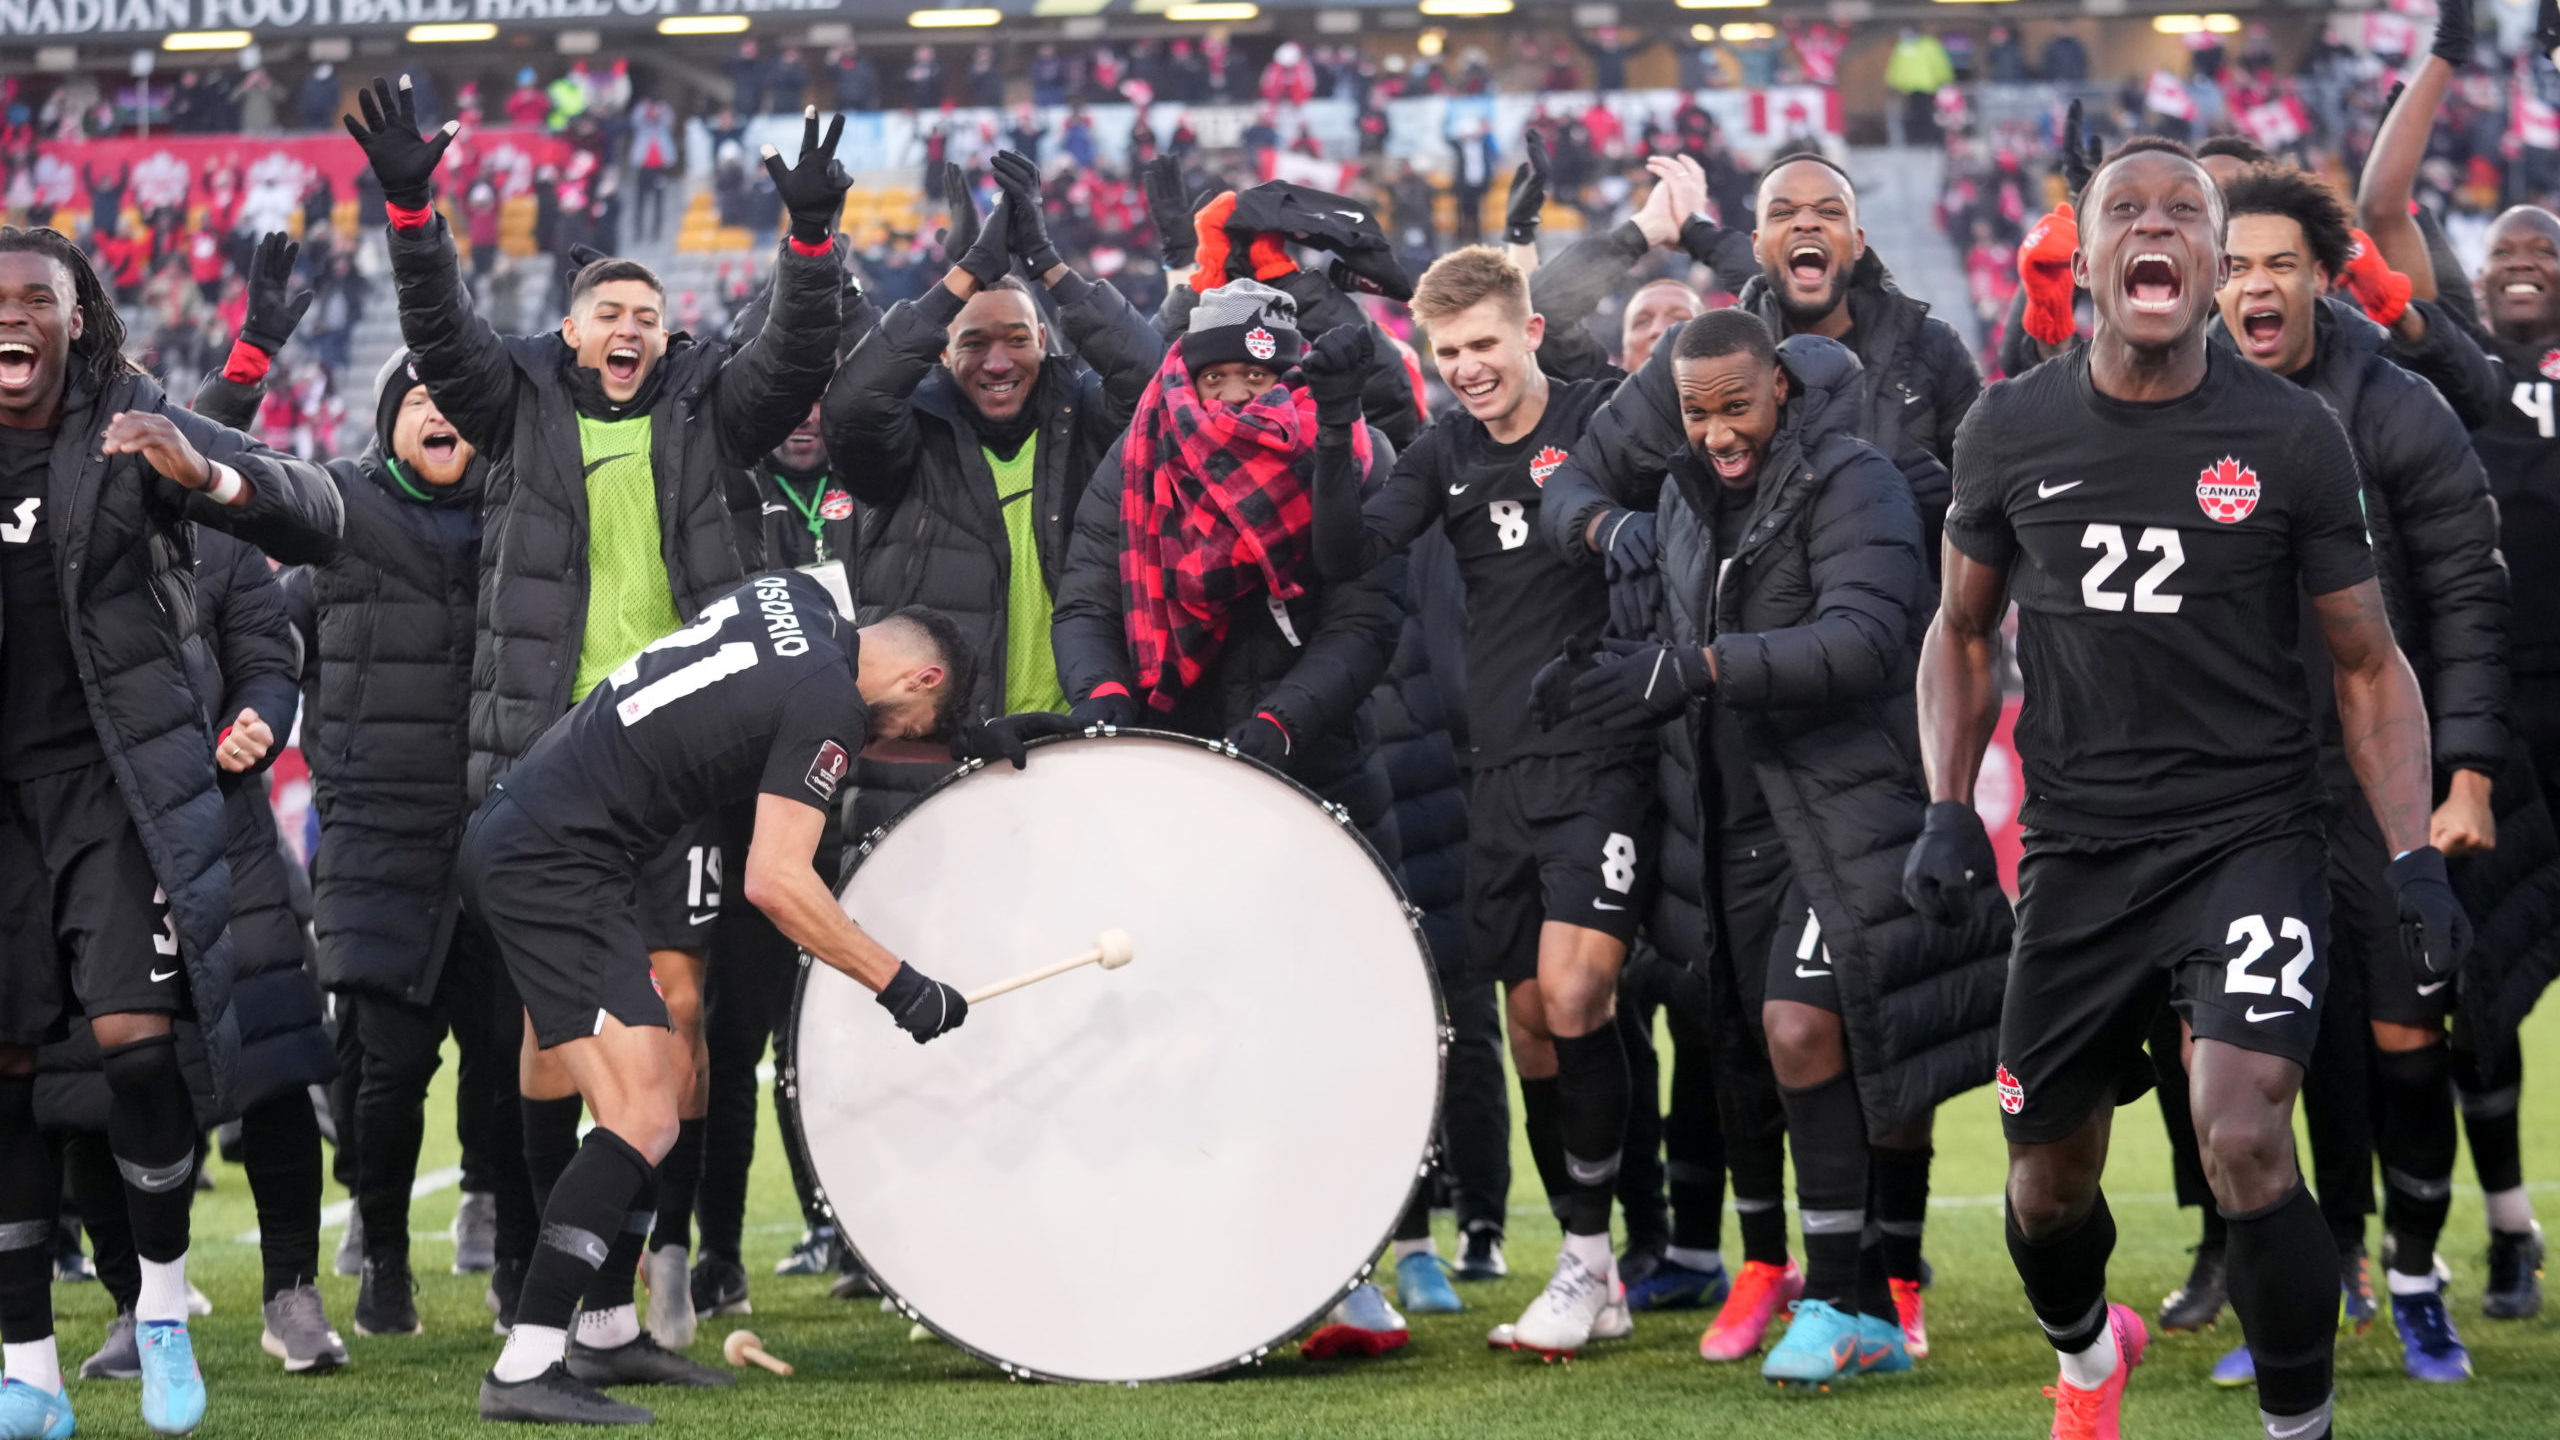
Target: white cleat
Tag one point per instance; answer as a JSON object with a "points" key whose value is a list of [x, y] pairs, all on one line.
{"points": [[670, 1281], [1578, 1306], [1505, 1336]]}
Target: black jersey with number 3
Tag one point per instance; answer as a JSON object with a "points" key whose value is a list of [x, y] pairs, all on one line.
{"points": [[756, 695], [2158, 553]]}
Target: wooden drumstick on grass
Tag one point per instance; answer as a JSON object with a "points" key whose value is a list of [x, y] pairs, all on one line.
{"points": [[743, 1348], [1111, 950]]}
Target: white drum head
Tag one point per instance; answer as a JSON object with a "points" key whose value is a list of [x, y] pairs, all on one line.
{"points": [[1255, 1092]]}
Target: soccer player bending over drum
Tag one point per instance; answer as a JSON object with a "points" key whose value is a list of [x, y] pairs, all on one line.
{"points": [[772, 693]]}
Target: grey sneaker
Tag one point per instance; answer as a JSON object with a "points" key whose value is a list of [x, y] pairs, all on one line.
{"points": [[670, 1283], [350, 1259], [816, 1254], [475, 1234], [119, 1358], [297, 1332]]}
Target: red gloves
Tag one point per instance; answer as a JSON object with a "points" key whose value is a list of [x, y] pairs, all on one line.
{"points": [[2381, 290], [2044, 267]]}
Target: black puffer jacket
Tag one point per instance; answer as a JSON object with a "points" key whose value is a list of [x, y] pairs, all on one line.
{"points": [[1816, 623], [2435, 543], [1418, 744], [124, 561], [1314, 678], [718, 409]]}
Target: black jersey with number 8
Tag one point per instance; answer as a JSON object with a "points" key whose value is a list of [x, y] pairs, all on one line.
{"points": [[757, 695], [2158, 553]]}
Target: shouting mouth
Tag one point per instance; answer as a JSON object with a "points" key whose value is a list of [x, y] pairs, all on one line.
{"points": [[1731, 464], [2152, 283], [2262, 330], [440, 446], [1808, 265], [622, 364], [17, 365]]}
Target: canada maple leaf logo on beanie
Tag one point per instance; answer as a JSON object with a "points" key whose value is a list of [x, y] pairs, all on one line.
{"points": [[1261, 344]]}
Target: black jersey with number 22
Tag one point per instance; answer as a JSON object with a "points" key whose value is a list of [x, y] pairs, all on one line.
{"points": [[2158, 553], [758, 693]]}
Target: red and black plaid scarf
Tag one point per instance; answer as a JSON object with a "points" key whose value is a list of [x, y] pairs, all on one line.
{"points": [[1213, 505]]}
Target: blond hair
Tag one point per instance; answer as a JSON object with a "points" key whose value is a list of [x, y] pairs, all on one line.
{"points": [[1467, 277]]}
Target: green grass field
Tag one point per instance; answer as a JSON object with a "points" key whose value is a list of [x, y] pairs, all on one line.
{"points": [[859, 1375]]}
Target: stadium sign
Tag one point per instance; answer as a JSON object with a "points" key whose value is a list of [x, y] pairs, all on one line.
{"points": [[51, 19]]}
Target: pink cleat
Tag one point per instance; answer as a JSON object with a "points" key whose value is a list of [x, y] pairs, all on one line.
{"points": [[1760, 1294]]}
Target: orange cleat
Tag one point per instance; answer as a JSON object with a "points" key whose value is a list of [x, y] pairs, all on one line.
{"points": [[1909, 1309], [1760, 1294], [2092, 1414]]}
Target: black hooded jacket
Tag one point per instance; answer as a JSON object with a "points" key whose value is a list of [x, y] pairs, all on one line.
{"points": [[1816, 622], [716, 410]]}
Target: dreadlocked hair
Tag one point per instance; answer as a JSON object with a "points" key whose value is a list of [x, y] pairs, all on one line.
{"points": [[97, 356]]}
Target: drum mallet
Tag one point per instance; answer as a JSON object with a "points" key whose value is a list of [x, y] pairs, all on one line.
{"points": [[743, 1348], [1111, 950]]}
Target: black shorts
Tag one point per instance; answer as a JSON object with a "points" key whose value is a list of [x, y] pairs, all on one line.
{"points": [[1566, 838], [567, 922], [2227, 923], [84, 925], [1770, 932], [2364, 923], [681, 891]]}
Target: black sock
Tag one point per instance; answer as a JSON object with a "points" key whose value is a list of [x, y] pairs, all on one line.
{"points": [[678, 1174], [2066, 1276], [1592, 1088], [1901, 1207], [550, 1142], [1875, 1286], [580, 1223], [151, 1127], [2489, 1087], [30, 1196], [728, 1151], [2216, 1234], [613, 1282], [2284, 1291], [1546, 1138], [2413, 1137], [1693, 1144], [1828, 1133], [1415, 1222], [280, 1148], [1759, 1195], [99, 1191]]}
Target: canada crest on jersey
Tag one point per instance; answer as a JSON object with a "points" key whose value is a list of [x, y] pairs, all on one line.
{"points": [[1260, 343], [2228, 491], [2550, 366], [835, 505], [1546, 462]]}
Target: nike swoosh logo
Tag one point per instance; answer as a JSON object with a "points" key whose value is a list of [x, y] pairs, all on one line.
{"points": [[1605, 905], [2255, 1017], [1354, 216], [1460, 489], [1811, 974], [772, 509], [2275, 1434], [705, 918], [2046, 490], [157, 977], [601, 461], [2431, 989]]}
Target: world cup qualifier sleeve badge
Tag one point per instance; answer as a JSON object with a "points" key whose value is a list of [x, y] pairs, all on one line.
{"points": [[2228, 491]]}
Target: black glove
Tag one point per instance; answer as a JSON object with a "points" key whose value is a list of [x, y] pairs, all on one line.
{"points": [[1551, 689], [989, 257], [2433, 930], [272, 315], [812, 189], [1951, 857], [1528, 194], [1169, 210], [403, 161], [2079, 153], [923, 1008], [1336, 370], [1007, 736], [1376, 271], [1118, 711], [2455, 39], [1626, 543], [956, 238], [1638, 684], [1261, 738], [2546, 27], [1019, 178]]}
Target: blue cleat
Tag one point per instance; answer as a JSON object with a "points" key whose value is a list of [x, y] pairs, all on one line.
{"points": [[1881, 1347], [2429, 1350], [172, 1386], [30, 1412], [1821, 1346], [1673, 1286], [1422, 1285], [2236, 1369]]}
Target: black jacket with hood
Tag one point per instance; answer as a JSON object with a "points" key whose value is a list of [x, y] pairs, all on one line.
{"points": [[716, 409], [1816, 621]]}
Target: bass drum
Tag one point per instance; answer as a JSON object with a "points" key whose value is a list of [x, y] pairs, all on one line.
{"points": [[1260, 1084]]}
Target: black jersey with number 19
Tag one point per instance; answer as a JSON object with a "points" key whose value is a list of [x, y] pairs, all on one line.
{"points": [[2158, 553], [757, 694]]}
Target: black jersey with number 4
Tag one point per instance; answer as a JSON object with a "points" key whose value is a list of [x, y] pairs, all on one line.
{"points": [[1523, 600], [2158, 553], [755, 696], [2520, 448]]}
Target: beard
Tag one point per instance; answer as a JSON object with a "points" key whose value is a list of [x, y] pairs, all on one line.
{"points": [[1800, 313]]}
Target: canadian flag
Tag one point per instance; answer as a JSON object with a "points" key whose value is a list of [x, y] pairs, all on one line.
{"points": [[2275, 124], [2167, 96]]}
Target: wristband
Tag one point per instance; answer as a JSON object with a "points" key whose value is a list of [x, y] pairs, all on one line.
{"points": [[810, 248], [1109, 687], [247, 365], [227, 487], [1286, 745], [404, 218]]}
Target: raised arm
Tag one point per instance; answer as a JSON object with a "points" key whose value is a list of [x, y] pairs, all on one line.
{"points": [[2385, 191], [218, 477], [767, 387], [1351, 536], [229, 396]]}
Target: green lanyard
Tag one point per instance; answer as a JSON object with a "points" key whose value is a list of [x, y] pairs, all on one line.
{"points": [[400, 477], [808, 508]]}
